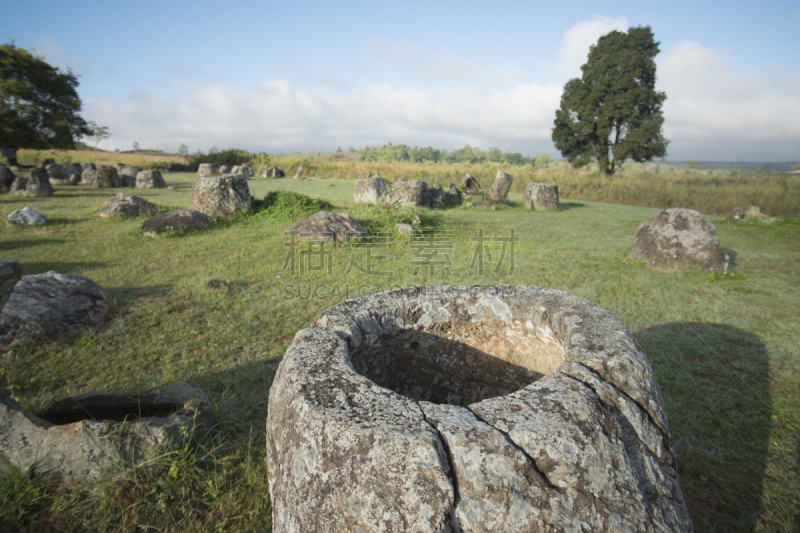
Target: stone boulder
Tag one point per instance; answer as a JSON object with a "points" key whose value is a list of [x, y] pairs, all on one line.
{"points": [[86, 436], [413, 193], [453, 196], [741, 213], [55, 172], [369, 190], [10, 273], [127, 176], [89, 174], [376, 418], [51, 306], [73, 173], [64, 173], [273, 172], [19, 187], [150, 179], [330, 228], [107, 176], [224, 169], [207, 169], [39, 183], [243, 170], [7, 177], [500, 187], [541, 196], [125, 206], [25, 217], [221, 195], [678, 239], [471, 185], [178, 221], [299, 174], [436, 196], [48, 161]]}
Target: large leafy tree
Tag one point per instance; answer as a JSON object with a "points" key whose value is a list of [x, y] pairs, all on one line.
{"points": [[613, 112], [39, 104]]}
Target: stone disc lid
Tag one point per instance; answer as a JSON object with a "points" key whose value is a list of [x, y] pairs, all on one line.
{"points": [[444, 407]]}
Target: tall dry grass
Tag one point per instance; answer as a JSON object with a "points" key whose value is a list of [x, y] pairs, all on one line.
{"points": [[144, 160], [646, 185]]}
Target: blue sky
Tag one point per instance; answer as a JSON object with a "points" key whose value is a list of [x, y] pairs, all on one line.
{"points": [[298, 76]]}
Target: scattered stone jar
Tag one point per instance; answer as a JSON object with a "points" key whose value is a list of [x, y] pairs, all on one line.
{"points": [[541, 196], [485, 408], [369, 190]]}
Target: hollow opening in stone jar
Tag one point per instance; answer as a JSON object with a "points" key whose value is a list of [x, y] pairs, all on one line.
{"points": [[461, 362]]}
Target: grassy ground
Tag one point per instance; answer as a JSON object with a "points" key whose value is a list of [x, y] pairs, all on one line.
{"points": [[724, 350]]}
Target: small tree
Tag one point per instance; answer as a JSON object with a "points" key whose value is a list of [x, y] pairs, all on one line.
{"points": [[613, 112], [543, 160], [183, 150], [99, 133], [39, 105]]}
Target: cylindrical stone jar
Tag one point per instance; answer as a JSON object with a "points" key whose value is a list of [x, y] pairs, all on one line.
{"points": [[485, 408]]}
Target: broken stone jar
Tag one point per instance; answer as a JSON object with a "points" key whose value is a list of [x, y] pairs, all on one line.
{"points": [[83, 436], [507, 408]]}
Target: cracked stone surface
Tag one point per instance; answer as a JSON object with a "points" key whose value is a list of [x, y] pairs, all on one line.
{"points": [[505, 408], [51, 306]]}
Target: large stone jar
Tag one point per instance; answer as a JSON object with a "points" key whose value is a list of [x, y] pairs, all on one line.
{"points": [[504, 408]]}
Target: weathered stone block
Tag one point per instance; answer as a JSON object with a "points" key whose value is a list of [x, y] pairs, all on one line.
{"points": [[541, 196], [369, 190], [500, 187], [221, 195]]}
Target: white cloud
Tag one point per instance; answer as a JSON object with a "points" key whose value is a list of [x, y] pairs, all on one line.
{"points": [[577, 40], [276, 117], [715, 112]]}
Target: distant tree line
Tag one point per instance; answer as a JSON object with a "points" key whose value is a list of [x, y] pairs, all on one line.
{"points": [[400, 153]]}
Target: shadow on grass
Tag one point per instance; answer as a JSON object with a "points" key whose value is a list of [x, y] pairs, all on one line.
{"points": [[240, 396], [61, 267], [13, 245], [107, 192], [125, 295], [564, 206], [732, 254], [714, 380]]}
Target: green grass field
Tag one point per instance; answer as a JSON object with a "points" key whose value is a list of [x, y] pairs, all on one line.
{"points": [[724, 349]]}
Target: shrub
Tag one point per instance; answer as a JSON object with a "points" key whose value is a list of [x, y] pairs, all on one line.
{"points": [[286, 206]]}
